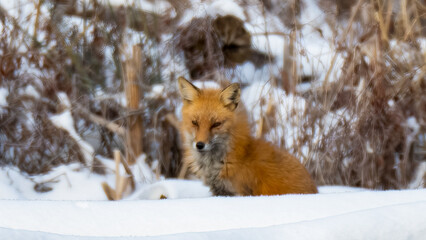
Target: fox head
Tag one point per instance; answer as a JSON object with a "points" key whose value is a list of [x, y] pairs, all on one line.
{"points": [[208, 115]]}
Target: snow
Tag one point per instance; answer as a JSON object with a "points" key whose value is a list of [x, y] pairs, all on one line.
{"points": [[318, 53], [368, 147], [68, 182], [142, 171], [419, 179], [120, 97], [157, 6], [260, 96], [189, 212], [413, 125], [65, 121], [197, 9], [29, 91], [64, 100], [3, 97], [405, 51], [157, 91], [346, 214], [206, 84], [275, 45], [213, 9], [172, 189], [226, 7], [248, 73]]}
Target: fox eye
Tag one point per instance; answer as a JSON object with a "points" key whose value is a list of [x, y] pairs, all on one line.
{"points": [[195, 123], [216, 124]]}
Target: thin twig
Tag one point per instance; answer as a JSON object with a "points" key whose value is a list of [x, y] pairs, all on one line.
{"points": [[113, 127], [109, 192], [172, 119]]}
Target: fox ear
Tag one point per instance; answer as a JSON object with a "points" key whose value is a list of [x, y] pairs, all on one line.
{"points": [[187, 90], [230, 96]]}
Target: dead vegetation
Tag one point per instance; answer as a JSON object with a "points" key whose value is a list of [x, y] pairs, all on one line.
{"points": [[370, 143], [381, 86], [211, 44]]}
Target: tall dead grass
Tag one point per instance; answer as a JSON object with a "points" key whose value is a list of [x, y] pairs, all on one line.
{"points": [[370, 143], [382, 84]]}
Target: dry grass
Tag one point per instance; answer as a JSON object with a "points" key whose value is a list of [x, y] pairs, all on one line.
{"points": [[382, 83], [371, 144]]}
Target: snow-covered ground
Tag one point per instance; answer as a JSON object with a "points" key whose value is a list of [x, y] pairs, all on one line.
{"points": [[190, 212], [335, 213]]}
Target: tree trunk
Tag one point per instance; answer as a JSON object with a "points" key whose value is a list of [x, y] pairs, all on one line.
{"points": [[133, 95]]}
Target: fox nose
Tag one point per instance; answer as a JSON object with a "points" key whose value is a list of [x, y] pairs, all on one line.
{"points": [[200, 145]]}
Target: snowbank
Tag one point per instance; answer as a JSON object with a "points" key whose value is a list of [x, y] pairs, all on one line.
{"points": [[342, 215], [67, 182]]}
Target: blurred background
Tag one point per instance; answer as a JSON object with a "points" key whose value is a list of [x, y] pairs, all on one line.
{"points": [[339, 84]]}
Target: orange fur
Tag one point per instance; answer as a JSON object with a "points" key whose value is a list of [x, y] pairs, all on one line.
{"points": [[234, 163]]}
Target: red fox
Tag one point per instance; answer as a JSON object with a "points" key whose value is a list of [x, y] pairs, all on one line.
{"points": [[220, 150]]}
